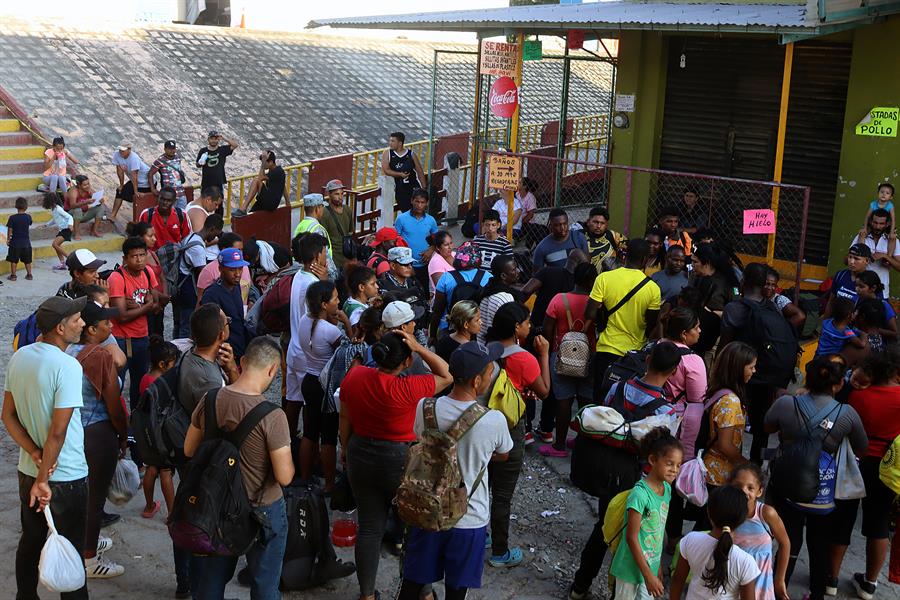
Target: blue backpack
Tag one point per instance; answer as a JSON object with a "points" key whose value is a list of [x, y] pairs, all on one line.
{"points": [[25, 332]]}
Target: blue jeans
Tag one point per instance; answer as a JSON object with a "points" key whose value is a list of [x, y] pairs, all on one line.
{"points": [[137, 354], [264, 560]]}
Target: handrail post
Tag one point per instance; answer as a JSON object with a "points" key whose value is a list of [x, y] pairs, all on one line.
{"points": [[779, 142]]}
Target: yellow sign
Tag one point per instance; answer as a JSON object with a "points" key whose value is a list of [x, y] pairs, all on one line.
{"points": [[498, 58], [504, 172], [881, 121]]}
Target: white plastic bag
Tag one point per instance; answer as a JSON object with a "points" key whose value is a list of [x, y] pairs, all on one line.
{"points": [[61, 568], [691, 482], [125, 483]]}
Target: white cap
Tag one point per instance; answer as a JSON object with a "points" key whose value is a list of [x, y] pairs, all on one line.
{"points": [[399, 313]]}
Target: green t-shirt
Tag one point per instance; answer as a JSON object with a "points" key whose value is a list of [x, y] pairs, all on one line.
{"points": [[653, 509]]}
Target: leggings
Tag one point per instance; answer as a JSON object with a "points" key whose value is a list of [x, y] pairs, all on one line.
{"points": [[818, 532], [55, 181], [101, 450], [503, 478]]}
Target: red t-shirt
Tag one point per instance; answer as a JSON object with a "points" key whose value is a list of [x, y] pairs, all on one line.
{"points": [[557, 310], [138, 289], [169, 230], [383, 406], [146, 380], [523, 369], [879, 410]]}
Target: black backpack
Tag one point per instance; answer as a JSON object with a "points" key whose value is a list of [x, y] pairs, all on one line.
{"points": [[632, 364], [467, 290], [774, 340], [160, 421], [212, 514]]}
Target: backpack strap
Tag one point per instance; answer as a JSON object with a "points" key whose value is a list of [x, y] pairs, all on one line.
{"points": [[429, 414], [628, 296], [466, 421], [457, 277], [150, 214], [209, 407], [250, 421], [334, 220], [565, 298], [812, 421]]}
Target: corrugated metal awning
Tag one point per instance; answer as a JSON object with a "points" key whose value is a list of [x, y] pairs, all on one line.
{"points": [[599, 16]]}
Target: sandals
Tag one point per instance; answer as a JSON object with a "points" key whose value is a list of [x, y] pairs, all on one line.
{"points": [[149, 514], [12, 278]]}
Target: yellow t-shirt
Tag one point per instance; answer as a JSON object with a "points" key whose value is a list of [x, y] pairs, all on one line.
{"points": [[627, 326]]}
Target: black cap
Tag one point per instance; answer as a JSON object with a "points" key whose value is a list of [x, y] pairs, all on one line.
{"points": [[93, 313], [170, 144], [860, 250], [53, 310], [471, 358]]}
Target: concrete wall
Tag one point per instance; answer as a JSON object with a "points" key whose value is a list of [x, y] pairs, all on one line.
{"points": [[865, 161]]}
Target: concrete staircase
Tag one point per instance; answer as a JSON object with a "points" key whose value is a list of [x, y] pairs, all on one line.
{"points": [[21, 165]]}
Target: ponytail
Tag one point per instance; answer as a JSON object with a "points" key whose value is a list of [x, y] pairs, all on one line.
{"points": [[727, 509]]}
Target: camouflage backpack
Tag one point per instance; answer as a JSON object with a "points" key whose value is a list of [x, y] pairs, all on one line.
{"points": [[432, 494]]}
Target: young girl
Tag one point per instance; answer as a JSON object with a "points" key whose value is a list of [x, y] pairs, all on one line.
{"points": [[363, 288], [163, 355], [636, 565], [869, 286], [65, 222], [55, 159], [884, 201], [720, 569], [754, 536]]}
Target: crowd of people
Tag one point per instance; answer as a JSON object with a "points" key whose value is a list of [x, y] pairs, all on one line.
{"points": [[414, 367]]}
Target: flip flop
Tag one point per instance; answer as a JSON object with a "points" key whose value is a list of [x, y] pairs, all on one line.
{"points": [[151, 513]]}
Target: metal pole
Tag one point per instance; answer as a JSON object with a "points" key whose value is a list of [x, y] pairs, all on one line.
{"points": [[626, 226], [561, 130], [802, 250], [779, 142], [514, 131], [476, 117], [430, 158]]}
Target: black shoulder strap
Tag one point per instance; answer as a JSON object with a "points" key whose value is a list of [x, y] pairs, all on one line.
{"points": [[209, 407], [150, 214], [457, 277], [628, 296], [479, 276], [251, 420], [334, 220]]}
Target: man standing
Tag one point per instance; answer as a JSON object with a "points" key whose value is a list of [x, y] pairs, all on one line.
{"points": [[669, 221], [83, 265], [129, 166], [211, 161], [399, 283], [879, 239], [404, 166], [41, 403], [385, 239], [603, 244], [415, 226], [267, 188], [168, 165], [337, 220], [192, 261], [226, 293], [554, 249], [313, 209], [169, 223], [692, 217], [266, 466]]}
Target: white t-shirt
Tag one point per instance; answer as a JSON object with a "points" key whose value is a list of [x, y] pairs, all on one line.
{"points": [[318, 343], [884, 273], [490, 434], [697, 547], [523, 205], [301, 282], [132, 163], [488, 308], [195, 255]]}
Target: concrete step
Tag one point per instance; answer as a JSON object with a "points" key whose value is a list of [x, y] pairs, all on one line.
{"points": [[47, 230], [31, 166], [5, 113], [41, 249], [38, 215], [26, 152], [9, 124], [19, 183], [8, 199], [16, 138]]}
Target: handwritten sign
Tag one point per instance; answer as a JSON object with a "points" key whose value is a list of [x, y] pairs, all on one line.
{"points": [[498, 58], [504, 172], [625, 102], [759, 220], [881, 121]]}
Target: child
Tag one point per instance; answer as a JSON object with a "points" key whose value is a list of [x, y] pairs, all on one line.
{"points": [[55, 159], [19, 241], [65, 222], [720, 569], [490, 243], [163, 355], [884, 201], [836, 331], [636, 565], [869, 286], [363, 288], [754, 536]]}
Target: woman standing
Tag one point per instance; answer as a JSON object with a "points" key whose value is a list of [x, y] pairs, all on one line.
{"points": [[144, 230], [718, 285], [378, 409], [499, 290], [790, 416], [439, 257]]}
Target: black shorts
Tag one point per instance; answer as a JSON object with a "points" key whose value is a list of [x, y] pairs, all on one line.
{"points": [[65, 234], [316, 425], [876, 508], [17, 255], [266, 200], [127, 191]]}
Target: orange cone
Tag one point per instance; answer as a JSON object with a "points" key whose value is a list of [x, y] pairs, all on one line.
{"points": [[243, 24]]}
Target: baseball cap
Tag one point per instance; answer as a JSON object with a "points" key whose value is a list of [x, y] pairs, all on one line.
{"points": [[401, 255], [232, 258], [467, 257], [860, 250], [471, 358], [213, 133], [53, 310], [310, 200], [399, 313], [385, 234], [123, 146], [334, 184], [170, 144], [83, 259], [93, 313]]}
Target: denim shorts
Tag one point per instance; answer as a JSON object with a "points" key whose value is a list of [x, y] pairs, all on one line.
{"points": [[567, 388], [455, 555]]}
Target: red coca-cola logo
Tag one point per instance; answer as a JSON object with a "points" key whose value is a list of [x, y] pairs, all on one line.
{"points": [[504, 97]]}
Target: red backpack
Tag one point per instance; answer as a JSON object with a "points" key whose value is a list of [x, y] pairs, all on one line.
{"points": [[272, 312]]}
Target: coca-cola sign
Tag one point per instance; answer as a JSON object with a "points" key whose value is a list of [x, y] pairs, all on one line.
{"points": [[504, 97]]}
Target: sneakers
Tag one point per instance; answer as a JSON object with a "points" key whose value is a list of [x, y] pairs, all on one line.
{"points": [[103, 544], [864, 589], [529, 438], [60, 267], [546, 437], [831, 586], [512, 558], [548, 450], [488, 541], [576, 595], [101, 568]]}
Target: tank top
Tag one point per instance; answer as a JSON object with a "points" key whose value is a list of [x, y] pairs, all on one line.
{"points": [[755, 538], [405, 164]]}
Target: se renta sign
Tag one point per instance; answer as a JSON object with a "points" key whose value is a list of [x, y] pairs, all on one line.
{"points": [[881, 121], [504, 97], [759, 221]]}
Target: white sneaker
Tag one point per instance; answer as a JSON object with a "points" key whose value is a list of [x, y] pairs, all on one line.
{"points": [[101, 568], [103, 544]]}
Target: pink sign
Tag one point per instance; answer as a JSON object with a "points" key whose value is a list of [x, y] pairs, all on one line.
{"points": [[759, 220]]}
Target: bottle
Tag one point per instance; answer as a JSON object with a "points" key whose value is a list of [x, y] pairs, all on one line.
{"points": [[344, 528]]}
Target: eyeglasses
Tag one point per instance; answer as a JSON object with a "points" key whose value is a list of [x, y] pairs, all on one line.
{"points": [[228, 320]]}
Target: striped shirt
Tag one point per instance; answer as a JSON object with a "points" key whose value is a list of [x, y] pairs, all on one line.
{"points": [[492, 248], [488, 309]]}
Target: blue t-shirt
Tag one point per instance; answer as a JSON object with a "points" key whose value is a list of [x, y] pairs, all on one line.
{"points": [[94, 409], [843, 286], [414, 231], [232, 304], [832, 339], [874, 206], [446, 284], [18, 225], [552, 253], [41, 378]]}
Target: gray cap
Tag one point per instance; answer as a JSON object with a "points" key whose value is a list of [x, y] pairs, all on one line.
{"points": [[399, 313], [400, 254], [53, 310], [311, 200]]}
